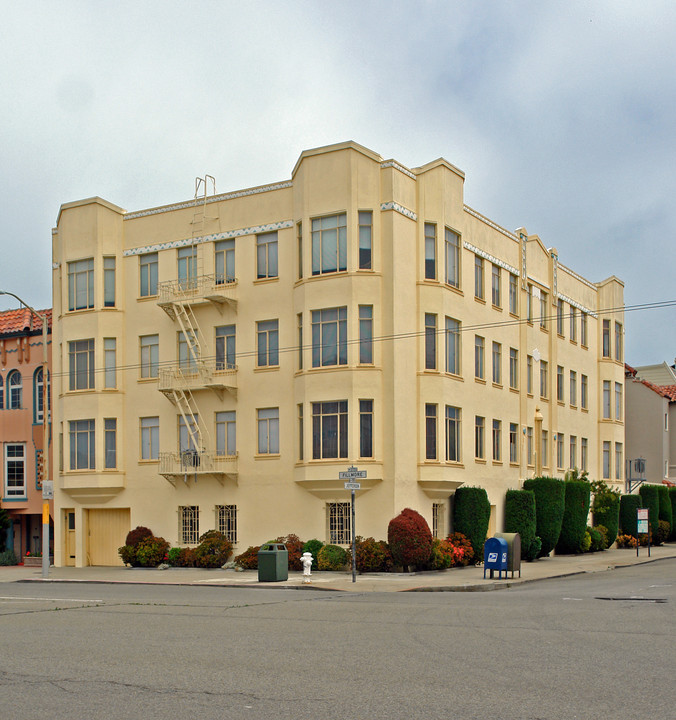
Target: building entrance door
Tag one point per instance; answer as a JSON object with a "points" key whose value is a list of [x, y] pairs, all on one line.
{"points": [[69, 545]]}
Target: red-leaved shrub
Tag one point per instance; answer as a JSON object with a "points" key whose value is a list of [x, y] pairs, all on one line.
{"points": [[409, 538], [139, 533], [249, 558], [294, 546]]}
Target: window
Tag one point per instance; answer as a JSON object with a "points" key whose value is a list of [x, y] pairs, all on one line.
{"points": [[543, 379], [545, 448], [559, 383], [110, 443], [266, 255], [150, 355], [430, 341], [339, 521], [226, 433], [584, 453], [226, 348], [38, 395], [188, 350], [299, 330], [226, 521], [2, 392], [497, 440], [82, 445], [301, 432], [430, 431], [329, 244], [478, 277], [15, 470], [187, 267], [438, 516], [430, 251], [329, 337], [453, 441], [188, 436], [495, 286], [618, 401], [497, 363], [148, 274], [573, 388], [560, 449], [479, 428], [543, 309], [606, 460], [513, 443], [479, 357], [452, 346], [188, 524], [267, 335], [513, 368], [559, 317], [81, 284], [299, 242], [81, 365], [365, 239], [529, 374], [529, 304], [14, 390], [110, 363], [366, 334], [329, 430], [224, 261], [583, 329], [573, 323], [366, 428], [109, 282], [268, 431], [618, 461], [529, 445], [583, 392], [573, 452], [452, 258], [618, 342], [513, 294], [606, 338], [150, 438], [606, 400]]}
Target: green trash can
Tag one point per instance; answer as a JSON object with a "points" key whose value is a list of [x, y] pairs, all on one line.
{"points": [[273, 563]]}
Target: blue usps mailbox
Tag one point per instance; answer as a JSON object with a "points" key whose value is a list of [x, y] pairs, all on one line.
{"points": [[495, 556]]}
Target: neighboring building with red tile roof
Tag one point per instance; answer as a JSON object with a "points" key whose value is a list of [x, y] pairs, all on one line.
{"points": [[21, 429]]}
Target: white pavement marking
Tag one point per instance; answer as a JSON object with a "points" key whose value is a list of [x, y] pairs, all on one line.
{"points": [[32, 599]]}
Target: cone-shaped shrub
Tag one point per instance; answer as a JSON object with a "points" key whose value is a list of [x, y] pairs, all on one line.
{"points": [[520, 517], [672, 498], [651, 499], [471, 514], [666, 513], [549, 506], [606, 510], [574, 526], [629, 504], [409, 538]]}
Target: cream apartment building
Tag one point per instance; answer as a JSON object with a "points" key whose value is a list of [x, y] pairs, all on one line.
{"points": [[218, 362]]}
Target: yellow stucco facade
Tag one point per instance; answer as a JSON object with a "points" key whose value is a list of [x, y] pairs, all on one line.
{"points": [[218, 362]]}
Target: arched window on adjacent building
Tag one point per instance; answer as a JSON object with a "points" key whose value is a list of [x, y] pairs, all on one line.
{"points": [[38, 396], [14, 389], [2, 393]]}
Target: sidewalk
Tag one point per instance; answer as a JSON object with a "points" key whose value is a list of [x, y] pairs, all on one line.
{"points": [[469, 579]]}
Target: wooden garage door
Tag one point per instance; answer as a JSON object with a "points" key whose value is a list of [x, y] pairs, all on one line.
{"points": [[107, 532]]}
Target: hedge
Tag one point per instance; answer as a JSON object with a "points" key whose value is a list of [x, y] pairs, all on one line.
{"points": [[520, 517], [672, 498], [606, 511], [665, 513], [651, 499], [410, 539], [471, 515], [629, 504], [574, 526], [549, 506]]}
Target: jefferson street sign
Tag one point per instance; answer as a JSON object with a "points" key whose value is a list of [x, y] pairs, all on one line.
{"points": [[352, 486]]}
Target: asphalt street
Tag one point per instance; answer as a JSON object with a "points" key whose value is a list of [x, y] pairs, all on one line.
{"points": [[589, 646]]}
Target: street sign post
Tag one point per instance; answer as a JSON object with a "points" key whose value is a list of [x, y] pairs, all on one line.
{"points": [[350, 476], [642, 527]]}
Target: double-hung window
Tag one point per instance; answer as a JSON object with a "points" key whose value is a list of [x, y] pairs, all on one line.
{"points": [[479, 357], [497, 363], [606, 399], [452, 258], [268, 431], [430, 431], [224, 261], [495, 286], [572, 460], [497, 440], [148, 274], [479, 437], [329, 430], [187, 351], [108, 282], [81, 284], [365, 239], [81, 364], [110, 443], [618, 342], [226, 433], [110, 363], [478, 277], [266, 255], [606, 338], [453, 437], [430, 251], [150, 438], [14, 390], [513, 443], [544, 380], [15, 470], [267, 339], [366, 334], [513, 368], [573, 324], [226, 348], [606, 460], [188, 437], [187, 267], [619, 405], [150, 355], [543, 309], [529, 374], [513, 294], [82, 444], [583, 329], [559, 383], [366, 428], [329, 337], [430, 341], [584, 397], [452, 346], [559, 316], [329, 244], [573, 388]]}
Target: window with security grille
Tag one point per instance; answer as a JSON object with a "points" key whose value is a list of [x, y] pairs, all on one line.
{"points": [[188, 524], [438, 517], [226, 521], [15, 470], [339, 521]]}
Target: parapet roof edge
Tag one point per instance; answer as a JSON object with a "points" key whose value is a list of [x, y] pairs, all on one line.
{"points": [[336, 147], [95, 200], [436, 163]]}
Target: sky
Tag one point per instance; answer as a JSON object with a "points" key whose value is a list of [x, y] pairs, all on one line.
{"points": [[561, 115]]}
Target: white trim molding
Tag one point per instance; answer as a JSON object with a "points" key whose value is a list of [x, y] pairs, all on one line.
{"points": [[398, 208], [490, 258], [490, 223], [394, 164]]}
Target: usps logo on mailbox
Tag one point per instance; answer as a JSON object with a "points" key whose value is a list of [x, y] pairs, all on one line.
{"points": [[504, 557], [492, 557]]}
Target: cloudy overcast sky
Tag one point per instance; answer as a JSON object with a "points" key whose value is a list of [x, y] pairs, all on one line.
{"points": [[561, 115]]}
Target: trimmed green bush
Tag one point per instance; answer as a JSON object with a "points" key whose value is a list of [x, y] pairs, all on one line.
{"points": [[332, 557], [598, 539], [672, 499], [606, 509], [471, 515], [651, 499], [520, 517], [574, 527], [313, 546], [629, 504], [549, 506], [8, 557], [666, 513], [410, 539]]}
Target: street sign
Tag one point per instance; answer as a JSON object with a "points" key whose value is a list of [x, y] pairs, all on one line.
{"points": [[352, 474], [352, 486], [642, 520], [48, 490]]}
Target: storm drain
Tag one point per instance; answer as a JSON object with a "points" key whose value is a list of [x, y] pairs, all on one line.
{"points": [[634, 599]]}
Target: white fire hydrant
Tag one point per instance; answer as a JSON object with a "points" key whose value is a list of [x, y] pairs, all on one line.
{"points": [[306, 561]]}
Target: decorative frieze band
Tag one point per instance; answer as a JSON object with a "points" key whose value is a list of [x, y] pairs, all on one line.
{"points": [[490, 258], [490, 223], [255, 230], [400, 209], [578, 277], [212, 199], [394, 164], [577, 305]]}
